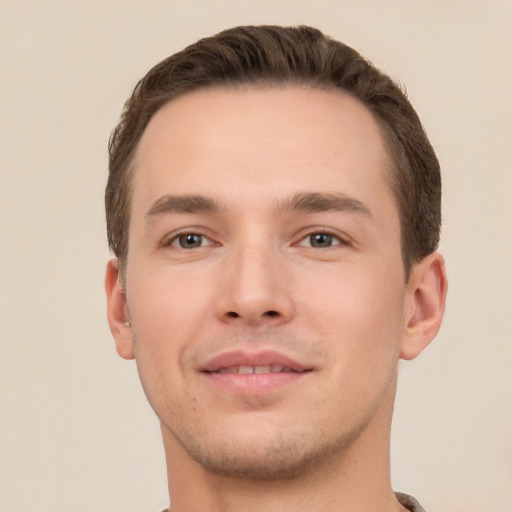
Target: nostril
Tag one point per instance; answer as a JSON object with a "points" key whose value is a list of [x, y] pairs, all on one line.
{"points": [[271, 313]]}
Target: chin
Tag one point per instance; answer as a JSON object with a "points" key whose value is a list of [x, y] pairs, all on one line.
{"points": [[279, 456]]}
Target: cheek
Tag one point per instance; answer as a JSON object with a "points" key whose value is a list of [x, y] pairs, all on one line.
{"points": [[362, 334], [167, 315], [166, 299], [163, 327], [360, 313]]}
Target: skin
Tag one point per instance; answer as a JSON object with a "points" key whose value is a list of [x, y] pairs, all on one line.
{"points": [[324, 286]]}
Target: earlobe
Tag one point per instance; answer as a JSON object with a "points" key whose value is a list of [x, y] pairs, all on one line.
{"points": [[426, 299], [117, 312]]}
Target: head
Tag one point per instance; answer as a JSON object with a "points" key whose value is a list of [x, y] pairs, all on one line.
{"points": [[279, 56], [274, 206]]}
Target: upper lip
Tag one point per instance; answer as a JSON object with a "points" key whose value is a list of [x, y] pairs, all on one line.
{"points": [[262, 358]]}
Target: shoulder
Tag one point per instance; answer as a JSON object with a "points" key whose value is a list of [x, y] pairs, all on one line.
{"points": [[409, 501]]}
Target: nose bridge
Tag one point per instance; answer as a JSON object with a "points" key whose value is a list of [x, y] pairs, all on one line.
{"points": [[256, 287]]}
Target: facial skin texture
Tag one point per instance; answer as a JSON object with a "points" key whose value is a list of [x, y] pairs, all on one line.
{"points": [[254, 159]]}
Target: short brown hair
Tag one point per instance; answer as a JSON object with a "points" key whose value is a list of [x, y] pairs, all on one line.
{"points": [[283, 55]]}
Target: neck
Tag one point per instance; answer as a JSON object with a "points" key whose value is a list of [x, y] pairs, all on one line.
{"points": [[355, 480]]}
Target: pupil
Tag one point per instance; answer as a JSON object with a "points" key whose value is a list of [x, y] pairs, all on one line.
{"points": [[321, 240]]}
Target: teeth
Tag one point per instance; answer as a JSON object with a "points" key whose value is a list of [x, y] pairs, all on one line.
{"points": [[231, 369], [262, 369], [245, 370]]}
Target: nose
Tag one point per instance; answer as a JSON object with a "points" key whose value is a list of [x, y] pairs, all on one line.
{"points": [[256, 288]]}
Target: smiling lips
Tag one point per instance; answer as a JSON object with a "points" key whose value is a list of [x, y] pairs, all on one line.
{"points": [[267, 361], [253, 374], [244, 370]]}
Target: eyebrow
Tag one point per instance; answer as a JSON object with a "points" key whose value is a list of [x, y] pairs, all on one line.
{"points": [[183, 204], [316, 202], [313, 202]]}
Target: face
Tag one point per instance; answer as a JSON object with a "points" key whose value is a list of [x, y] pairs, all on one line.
{"points": [[264, 282]]}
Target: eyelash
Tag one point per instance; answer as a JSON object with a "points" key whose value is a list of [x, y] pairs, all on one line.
{"points": [[336, 238], [174, 241]]}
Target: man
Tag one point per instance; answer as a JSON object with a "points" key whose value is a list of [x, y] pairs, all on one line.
{"points": [[274, 207]]}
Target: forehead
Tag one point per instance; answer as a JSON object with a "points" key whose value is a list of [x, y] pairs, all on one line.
{"points": [[280, 138]]}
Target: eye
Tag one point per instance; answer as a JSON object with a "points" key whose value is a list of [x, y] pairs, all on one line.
{"points": [[320, 240], [189, 241]]}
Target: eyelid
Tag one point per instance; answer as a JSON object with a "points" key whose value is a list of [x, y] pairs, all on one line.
{"points": [[340, 237], [169, 239], [204, 241]]}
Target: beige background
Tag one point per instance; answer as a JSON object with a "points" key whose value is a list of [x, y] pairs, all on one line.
{"points": [[75, 430]]}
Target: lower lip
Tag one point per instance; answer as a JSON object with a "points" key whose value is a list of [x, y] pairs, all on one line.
{"points": [[254, 383]]}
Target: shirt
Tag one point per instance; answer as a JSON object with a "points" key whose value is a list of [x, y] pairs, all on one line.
{"points": [[404, 499]]}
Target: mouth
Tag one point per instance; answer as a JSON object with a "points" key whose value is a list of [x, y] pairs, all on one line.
{"points": [[241, 362], [259, 373], [246, 370]]}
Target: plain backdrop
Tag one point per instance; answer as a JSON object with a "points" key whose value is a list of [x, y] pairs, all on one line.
{"points": [[76, 432]]}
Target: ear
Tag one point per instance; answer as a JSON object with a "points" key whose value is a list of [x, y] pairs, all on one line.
{"points": [[117, 312], [425, 302]]}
